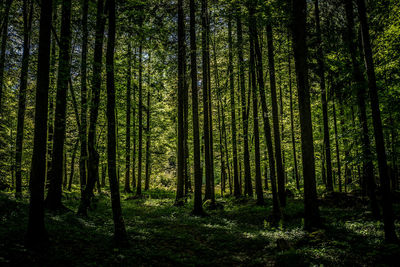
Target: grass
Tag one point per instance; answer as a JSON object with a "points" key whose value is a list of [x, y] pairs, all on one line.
{"points": [[164, 235]]}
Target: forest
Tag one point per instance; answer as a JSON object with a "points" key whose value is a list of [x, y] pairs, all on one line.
{"points": [[199, 132]]}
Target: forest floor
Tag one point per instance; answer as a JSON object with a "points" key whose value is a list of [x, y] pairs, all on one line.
{"points": [[164, 235]]}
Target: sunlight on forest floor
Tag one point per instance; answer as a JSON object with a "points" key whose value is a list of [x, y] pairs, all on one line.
{"points": [[162, 234]]}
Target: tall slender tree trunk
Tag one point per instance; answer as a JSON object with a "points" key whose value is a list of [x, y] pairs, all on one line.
{"points": [[296, 172], [127, 187], [36, 230], [197, 207], [276, 210], [181, 95], [134, 123], [321, 74], [148, 140], [275, 119], [71, 176], [120, 236], [27, 10], [53, 200], [83, 160], [236, 188], [4, 37], [388, 218], [246, 153], [252, 73], [93, 161], [339, 172], [140, 114], [368, 168], [311, 211]]}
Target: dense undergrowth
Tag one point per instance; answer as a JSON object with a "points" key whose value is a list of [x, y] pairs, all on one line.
{"points": [[164, 235]]}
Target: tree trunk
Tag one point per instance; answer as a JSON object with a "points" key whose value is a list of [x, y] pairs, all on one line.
{"points": [[252, 74], [296, 172], [321, 74], [140, 139], [339, 172], [246, 153], [368, 168], [148, 139], [36, 230], [276, 210], [388, 219], [4, 37], [120, 236], [275, 119], [197, 207], [311, 211], [53, 200], [27, 14], [83, 160], [127, 187], [181, 95], [93, 161], [71, 176]]}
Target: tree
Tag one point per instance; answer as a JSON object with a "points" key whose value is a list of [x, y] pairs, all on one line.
{"points": [[197, 207], [83, 160], [252, 73], [4, 37], [27, 10], [311, 211], [36, 233], [128, 121], [275, 119], [93, 161], [53, 200], [321, 74], [120, 236], [246, 153], [388, 219]]}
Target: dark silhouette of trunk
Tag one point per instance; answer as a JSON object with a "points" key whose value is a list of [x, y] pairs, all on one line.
{"points": [[275, 119], [83, 160], [134, 123], [236, 188], [339, 172], [197, 207], [52, 89], [127, 187], [65, 171], [246, 153], [4, 37], [311, 211], [388, 218], [181, 95], [187, 181], [120, 236], [276, 210], [93, 161], [27, 10], [296, 172], [36, 233], [53, 200], [252, 74], [140, 114], [321, 74], [103, 175], [206, 91], [71, 176], [148, 139], [367, 180]]}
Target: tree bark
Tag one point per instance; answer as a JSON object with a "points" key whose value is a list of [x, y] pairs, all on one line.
{"points": [[37, 234], [4, 37], [311, 211], [93, 161], [388, 217], [321, 74], [275, 119], [53, 200], [127, 187], [27, 10], [120, 236]]}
